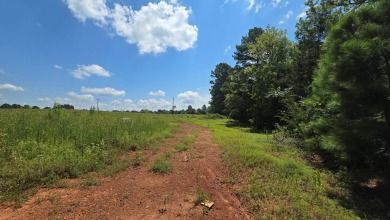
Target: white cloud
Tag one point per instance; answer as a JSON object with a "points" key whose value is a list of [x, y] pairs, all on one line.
{"points": [[289, 14], [158, 93], [128, 101], [62, 100], [259, 6], [275, 3], [2, 71], [251, 4], [153, 28], [188, 97], [84, 71], [11, 87], [281, 22], [154, 104], [228, 1], [116, 101], [227, 49], [301, 15], [89, 9], [87, 97], [191, 98], [107, 91], [45, 99], [59, 67]]}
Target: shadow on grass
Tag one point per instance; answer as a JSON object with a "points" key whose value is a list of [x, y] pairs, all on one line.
{"points": [[367, 190], [246, 126], [370, 195]]}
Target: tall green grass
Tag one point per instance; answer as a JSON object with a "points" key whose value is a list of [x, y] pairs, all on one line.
{"points": [[275, 182], [37, 147]]}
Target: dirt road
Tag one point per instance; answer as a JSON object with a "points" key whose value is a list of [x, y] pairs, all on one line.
{"points": [[137, 193]]}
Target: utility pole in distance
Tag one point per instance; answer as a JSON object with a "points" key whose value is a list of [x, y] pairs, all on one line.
{"points": [[173, 105], [97, 104]]}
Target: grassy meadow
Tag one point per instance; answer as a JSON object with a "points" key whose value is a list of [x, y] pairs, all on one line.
{"points": [[275, 181], [38, 147]]}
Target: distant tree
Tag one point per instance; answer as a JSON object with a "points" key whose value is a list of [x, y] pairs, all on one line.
{"points": [[204, 109], [145, 111], [5, 105], [35, 107], [26, 106], [190, 110], [16, 106], [218, 88], [67, 106]]}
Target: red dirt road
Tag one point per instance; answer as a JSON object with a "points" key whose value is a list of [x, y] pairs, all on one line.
{"points": [[137, 193]]}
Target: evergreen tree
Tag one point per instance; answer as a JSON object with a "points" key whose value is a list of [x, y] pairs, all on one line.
{"points": [[218, 88], [351, 92]]}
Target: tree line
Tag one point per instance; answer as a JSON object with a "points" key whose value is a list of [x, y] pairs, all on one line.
{"points": [[329, 90], [18, 106]]}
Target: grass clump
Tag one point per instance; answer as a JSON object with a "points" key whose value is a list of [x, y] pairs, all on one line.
{"points": [[201, 197], [90, 182], [161, 165], [182, 147]]}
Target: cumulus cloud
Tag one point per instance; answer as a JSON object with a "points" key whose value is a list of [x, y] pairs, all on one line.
{"points": [[96, 10], [116, 101], [158, 93], [154, 104], [153, 28], [188, 97], [11, 87], [84, 71], [107, 91], [191, 98], [87, 97], [128, 101]]}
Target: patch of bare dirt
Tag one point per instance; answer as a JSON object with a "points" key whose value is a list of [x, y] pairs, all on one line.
{"points": [[137, 193]]}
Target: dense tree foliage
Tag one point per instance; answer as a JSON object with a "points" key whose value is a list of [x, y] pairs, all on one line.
{"points": [[218, 90], [330, 89], [351, 87]]}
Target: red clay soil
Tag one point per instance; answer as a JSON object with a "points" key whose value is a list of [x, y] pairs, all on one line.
{"points": [[137, 193]]}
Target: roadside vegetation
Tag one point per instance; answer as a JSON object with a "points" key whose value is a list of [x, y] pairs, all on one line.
{"points": [[326, 94], [276, 181], [38, 147]]}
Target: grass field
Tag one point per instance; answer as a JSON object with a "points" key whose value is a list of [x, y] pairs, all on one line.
{"points": [[275, 181], [38, 147]]}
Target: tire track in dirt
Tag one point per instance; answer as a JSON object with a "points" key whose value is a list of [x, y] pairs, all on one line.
{"points": [[136, 193]]}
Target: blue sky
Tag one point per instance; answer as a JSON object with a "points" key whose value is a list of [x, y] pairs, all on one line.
{"points": [[130, 55]]}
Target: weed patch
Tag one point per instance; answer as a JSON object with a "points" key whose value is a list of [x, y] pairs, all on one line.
{"points": [[39, 147], [161, 165]]}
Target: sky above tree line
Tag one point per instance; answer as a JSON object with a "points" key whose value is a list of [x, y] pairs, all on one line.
{"points": [[131, 55]]}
